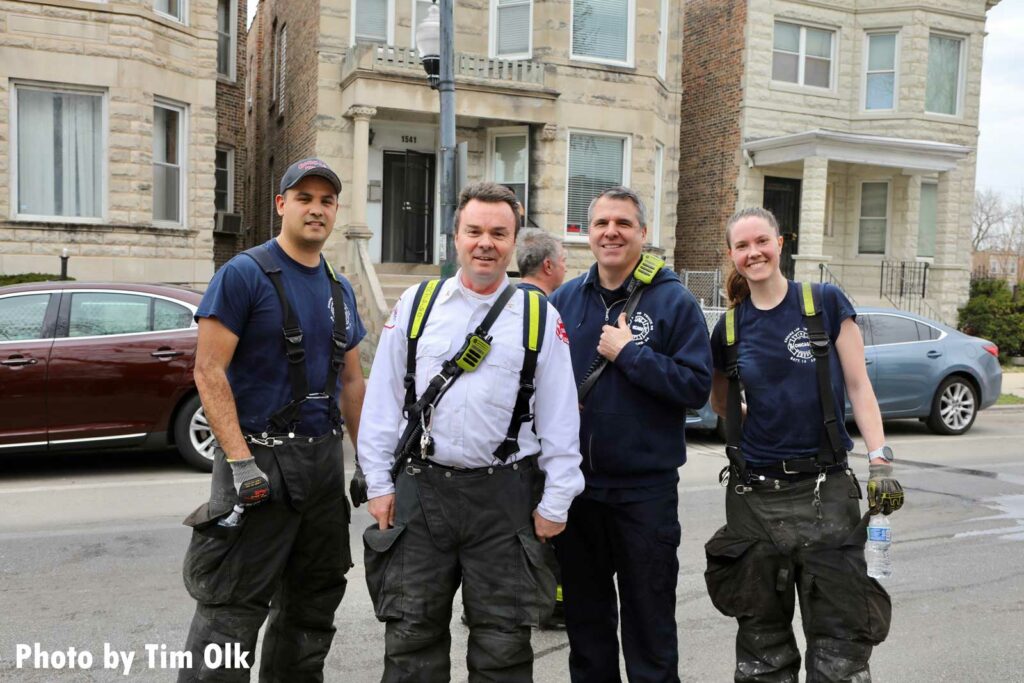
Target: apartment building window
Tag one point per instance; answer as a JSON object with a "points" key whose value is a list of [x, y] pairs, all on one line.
{"points": [[927, 220], [880, 72], [175, 9], [282, 69], [373, 21], [663, 32], [511, 28], [168, 163], [802, 55], [224, 178], [226, 37], [59, 151], [596, 162], [654, 220], [509, 151], [945, 57], [874, 217], [602, 31]]}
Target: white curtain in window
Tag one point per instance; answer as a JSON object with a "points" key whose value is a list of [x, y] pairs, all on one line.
{"points": [[595, 164], [513, 27], [943, 75], [927, 219], [599, 29], [372, 20], [59, 153], [874, 200]]}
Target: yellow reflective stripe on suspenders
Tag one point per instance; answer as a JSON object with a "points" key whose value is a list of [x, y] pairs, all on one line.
{"points": [[807, 299], [730, 327], [533, 320], [422, 305]]}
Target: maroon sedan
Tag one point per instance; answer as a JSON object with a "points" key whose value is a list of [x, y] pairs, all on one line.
{"points": [[98, 365]]}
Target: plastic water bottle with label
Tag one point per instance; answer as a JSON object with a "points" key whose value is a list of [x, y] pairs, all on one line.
{"points": [[877, 552]]}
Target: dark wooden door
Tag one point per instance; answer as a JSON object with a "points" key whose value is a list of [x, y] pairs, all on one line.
{"points": [[407, 234], [782, 198]]}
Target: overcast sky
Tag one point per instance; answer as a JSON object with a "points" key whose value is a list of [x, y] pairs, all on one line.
{"points": [[1001, 143]]}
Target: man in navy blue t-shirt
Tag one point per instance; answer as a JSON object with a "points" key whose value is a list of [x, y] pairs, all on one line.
{"points": [[277, 367]]}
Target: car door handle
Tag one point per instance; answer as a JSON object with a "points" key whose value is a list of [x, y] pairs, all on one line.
{"points": [[166, 354], [16, 361], [934, 354]]}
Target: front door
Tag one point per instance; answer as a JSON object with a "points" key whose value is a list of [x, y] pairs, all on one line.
{"points": [[782, 198], [407, 234]]}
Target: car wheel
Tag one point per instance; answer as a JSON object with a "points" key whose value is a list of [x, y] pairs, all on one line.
{"points": [[954, 407], [192, 435]]}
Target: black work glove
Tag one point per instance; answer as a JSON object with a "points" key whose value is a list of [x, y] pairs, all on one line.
{"points": [[885, 495], [251, 483], [357, 487]]}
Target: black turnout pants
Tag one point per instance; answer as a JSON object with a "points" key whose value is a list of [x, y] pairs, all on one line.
{"points": [[635, 543], [775, 547], [289, 556], [473, 527]]}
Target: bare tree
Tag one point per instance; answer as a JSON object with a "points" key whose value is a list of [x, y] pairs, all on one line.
{"points": [[988, 219]]}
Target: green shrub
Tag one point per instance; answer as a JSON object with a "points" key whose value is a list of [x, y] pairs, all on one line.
{"points": [[20, 278], [992, 313]]}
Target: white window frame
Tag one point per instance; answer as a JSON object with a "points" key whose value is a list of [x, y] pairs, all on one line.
{"points": [[509, 132], [183, 19], [492, 49], [273, 62], [630, 38], [654, 229], [390, 40], [895, 68], [888, 215], [232, 74], [13, 161], [664, 34], [802, 55], [182, 110], [230, 208], [627, 158], [282, 68], [961, 75]]}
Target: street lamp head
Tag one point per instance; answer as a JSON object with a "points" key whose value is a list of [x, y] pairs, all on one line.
{"points": [[428, 42]]}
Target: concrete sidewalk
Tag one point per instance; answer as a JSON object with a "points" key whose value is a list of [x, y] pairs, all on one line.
{"points": [[1013, 383]]}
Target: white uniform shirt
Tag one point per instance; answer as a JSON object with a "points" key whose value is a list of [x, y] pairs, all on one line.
{"points": [[472, 418]]}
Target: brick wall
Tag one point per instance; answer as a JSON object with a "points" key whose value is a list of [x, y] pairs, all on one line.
{"points": [[231, 134], [280, 136], [709, 131]]}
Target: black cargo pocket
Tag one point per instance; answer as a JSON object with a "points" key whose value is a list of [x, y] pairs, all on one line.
{"points": [[665, 570], [535, 599], [384, 570], [210, 577], [729, 575]]}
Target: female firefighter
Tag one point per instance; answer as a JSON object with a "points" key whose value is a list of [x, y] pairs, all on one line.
{"points": [[794, 524]]}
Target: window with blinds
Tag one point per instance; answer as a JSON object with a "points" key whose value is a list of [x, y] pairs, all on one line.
{"points": [[596, 162], [372, 20], [602, 30], [511, 26]]}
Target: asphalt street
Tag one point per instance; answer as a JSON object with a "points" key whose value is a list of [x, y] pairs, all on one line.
{"points": [[91, 548]]}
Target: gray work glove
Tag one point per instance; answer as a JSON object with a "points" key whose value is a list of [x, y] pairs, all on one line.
{"points": [[885, 495], [357, 487], [251, 483]]}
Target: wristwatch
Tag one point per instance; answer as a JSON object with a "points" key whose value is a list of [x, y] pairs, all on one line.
{"points": [[885, 453]]}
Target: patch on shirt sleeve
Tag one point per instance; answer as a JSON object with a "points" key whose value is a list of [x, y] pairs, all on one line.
{"points": [[393, 318], [561, 333]]}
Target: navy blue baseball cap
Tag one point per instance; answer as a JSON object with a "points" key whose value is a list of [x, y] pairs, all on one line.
{"points": [[308, 167]]}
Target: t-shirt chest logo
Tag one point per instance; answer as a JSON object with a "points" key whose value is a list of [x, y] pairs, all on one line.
{"points": [[799, 346], [641, 327], [348, 314]]}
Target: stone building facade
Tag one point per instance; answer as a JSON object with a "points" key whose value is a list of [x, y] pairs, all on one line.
{"points": [[855, 121], [555, 99], [121, 133]]}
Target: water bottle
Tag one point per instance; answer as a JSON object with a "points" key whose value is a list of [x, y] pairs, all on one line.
{"points": [[234, 519], [877, 550]]}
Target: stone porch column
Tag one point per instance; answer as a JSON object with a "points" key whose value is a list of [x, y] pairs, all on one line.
{"points": [[812, 220], [949, 275], [356, 230], [904, 234]]}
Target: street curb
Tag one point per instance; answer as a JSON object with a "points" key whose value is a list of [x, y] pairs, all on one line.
{"points": [[1019, 408]]}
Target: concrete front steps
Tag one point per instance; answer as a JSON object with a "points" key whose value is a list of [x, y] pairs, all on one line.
{"points": [[395, 278]]}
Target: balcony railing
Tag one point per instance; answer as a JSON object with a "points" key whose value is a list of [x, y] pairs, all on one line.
{"points": [[374, 56]]}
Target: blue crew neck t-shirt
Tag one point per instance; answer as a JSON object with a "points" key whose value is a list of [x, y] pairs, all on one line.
{"points": [[243, 299], [784, 418]]}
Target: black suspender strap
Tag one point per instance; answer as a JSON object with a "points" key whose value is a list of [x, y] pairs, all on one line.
{"points": [[534, 321], [339, 344], [734, 402], [832, 451]]}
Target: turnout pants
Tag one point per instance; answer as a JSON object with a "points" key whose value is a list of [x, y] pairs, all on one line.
{"points": [[288, 556], [774, 547], [636, 544], [452, 526]]}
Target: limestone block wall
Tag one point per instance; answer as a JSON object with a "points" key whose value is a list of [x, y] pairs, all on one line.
{"points": [[132, 56]]}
